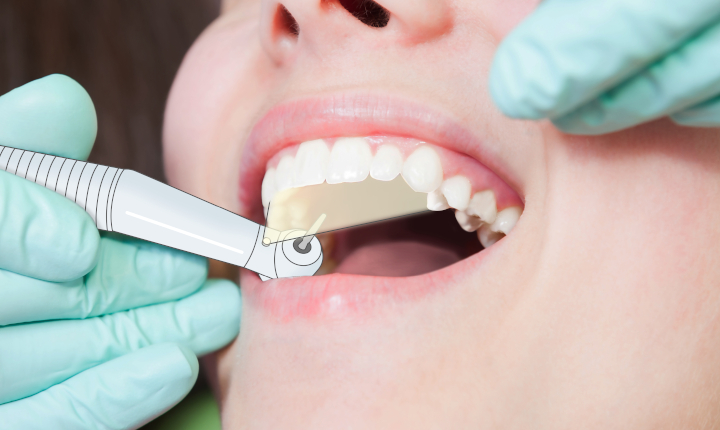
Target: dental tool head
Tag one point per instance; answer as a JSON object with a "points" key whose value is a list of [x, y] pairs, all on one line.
{"points": [[133, 204]]}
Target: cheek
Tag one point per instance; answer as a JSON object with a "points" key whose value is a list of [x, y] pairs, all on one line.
{"points": [[213, 100], [191, 110], [501, 16]]}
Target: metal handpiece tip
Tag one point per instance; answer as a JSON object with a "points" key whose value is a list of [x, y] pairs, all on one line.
{"points": [[311, 233], [304, 243]]}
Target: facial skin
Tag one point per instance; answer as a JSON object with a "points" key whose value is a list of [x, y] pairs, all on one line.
{"points": [[599, 310]]}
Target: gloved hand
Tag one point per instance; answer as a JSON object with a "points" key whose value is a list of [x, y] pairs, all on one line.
{"points": [[95, 331], [595, 67]]}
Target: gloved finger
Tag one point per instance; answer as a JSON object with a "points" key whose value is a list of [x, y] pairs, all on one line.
{"points": [[130, 273], [678, 81], [570, 51], [53, 115], [37, 356], [42, 234], [123, 393], [706, 114]]}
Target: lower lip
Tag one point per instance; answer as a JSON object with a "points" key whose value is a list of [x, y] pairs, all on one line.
{"points": [[338, 296]]}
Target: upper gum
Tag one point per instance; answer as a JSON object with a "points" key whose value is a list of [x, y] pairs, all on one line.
{"points": [[454, 163]]}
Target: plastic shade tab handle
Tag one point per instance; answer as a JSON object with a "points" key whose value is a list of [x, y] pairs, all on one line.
{"points": [[130, 203]]}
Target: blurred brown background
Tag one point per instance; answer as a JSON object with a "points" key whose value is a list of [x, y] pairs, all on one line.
{"points": [[124, 52]]}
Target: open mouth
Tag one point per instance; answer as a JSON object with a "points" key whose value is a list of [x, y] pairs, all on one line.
{"points": [[469, 207]]}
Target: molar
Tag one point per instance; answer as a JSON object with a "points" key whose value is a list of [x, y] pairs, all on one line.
{"points": [[467, 222], [483, 205], [284, 173], [436, 201], [268, 187], [387, 163], [457, 192], [506, 220], [422, 170], [311, 162], [350, 161]]}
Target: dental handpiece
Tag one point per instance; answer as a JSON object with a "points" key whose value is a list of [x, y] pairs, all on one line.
{"points": [[130, 203]]}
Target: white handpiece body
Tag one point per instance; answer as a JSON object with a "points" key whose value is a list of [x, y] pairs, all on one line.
{"points": [[130, 203]]}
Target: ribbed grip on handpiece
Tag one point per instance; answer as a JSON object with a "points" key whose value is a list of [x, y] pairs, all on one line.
{"points": [[89, 185]]}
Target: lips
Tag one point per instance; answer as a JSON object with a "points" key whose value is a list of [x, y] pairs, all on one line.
{"points": [[347, 115]]}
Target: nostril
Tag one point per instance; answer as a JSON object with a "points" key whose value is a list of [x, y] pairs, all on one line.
{"points": [[368, 12], [285, 22]]}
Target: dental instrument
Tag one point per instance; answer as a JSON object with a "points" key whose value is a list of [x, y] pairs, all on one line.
{"points": [[127, 202]]}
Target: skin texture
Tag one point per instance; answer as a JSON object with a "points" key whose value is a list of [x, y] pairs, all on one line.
{"points": [[598, 311]]}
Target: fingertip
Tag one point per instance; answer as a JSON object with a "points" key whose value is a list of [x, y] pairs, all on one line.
{"points": [[509, 89], [74, 239], [53, 115], [170, 366], [87, 249], [229, 302], [192, 362], [214, 314], [44, 235], [706, 114], [230, 294]]}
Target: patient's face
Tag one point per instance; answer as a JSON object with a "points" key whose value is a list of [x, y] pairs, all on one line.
{"points": [[597, 308]]}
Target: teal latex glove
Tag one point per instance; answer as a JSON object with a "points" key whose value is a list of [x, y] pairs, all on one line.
{"points": [[95, 331], [595, 67]]}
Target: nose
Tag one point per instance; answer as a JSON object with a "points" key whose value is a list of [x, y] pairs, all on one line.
{"points": [[286, 24]]}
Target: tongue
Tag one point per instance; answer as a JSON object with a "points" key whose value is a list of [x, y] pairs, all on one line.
{"points": [[396, 259]]}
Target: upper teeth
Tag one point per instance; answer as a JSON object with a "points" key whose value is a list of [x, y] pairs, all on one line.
{"points": [[506, 219], [351, 160], [422, 170], [284, 173], [483, 206], [436, 201], [457, 192], [310, 163], [268, 188], [387, 163]]}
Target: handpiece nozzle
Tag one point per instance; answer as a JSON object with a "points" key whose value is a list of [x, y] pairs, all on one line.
{"points": [[311, 233]]}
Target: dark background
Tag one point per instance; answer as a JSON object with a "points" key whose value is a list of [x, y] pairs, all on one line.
{"points": [[124, 52]]}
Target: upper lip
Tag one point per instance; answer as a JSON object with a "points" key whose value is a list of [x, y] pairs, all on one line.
{"points": [[348, 114]]}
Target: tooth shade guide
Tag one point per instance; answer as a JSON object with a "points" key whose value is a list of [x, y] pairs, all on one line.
{"points": [[345, 205]]}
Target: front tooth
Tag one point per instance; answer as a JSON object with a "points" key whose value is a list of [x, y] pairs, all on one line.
{"points": [[387, 163], [468, 223], [268, 187], [436, 201], [422, 170], [488, 237], [506, 220], [311, 163], [457, 192], [350, 161], [484, 206], [284, 173]]}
